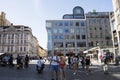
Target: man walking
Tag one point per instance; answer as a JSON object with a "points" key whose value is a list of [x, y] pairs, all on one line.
{"points": [[54, 64]]}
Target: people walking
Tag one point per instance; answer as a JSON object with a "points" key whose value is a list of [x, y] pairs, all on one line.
{"points": [[87, 62], [54, 64], [40, 65], [105, 66], [69, 61], [75, 63], [62, 67], [83, 62], [10, 61], [26, 61], [19, 62]]}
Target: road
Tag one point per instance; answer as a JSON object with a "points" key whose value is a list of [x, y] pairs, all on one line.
{"points": [[30, 73]]}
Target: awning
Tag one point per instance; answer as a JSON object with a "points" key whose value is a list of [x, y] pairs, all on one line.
{"points": [[1, 53]]}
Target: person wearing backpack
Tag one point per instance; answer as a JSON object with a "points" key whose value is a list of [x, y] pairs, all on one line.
{"points": [[40, 65], [75, 62], [54, 63]]}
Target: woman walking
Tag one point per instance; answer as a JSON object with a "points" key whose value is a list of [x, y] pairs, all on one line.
{"points": [[88, 62], [62, 66]]}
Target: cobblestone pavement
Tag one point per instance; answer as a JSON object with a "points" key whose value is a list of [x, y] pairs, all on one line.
{"points": [[30, 73]]}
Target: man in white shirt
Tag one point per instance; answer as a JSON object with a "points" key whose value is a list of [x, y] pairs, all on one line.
{"points": [[40, 62], [54, 64]]}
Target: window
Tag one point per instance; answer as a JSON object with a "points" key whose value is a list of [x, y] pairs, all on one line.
{"points": [[70, 44], [8, 36], [94, 20], [66, 23], [60, 30], [8, 48], [21, 41], [11, 49], [61, 37], [60, 24], [95, 28], [77, 30], [96, 36], [66, 31], [99, 21], [77, 36], [83, 37], [100, 28], [106, 27], [20, 48], [21, 35], [105, 21], [81, 44], [83, 30], [54, 30], [66, 36], [71, 37], [72, 30], [77, 23], [101, 35], [12, 36], [58, 44], [24, 41], [55, 24], [82, 24], [48, 24], [55, 37], [90, 28], [24, 48], [71, 23], [11, 41], [91, 44]]}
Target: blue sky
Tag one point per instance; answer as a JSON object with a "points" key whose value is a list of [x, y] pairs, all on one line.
{"points": [[33, 13]]}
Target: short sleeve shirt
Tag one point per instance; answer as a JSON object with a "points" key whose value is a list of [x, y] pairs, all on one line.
{"points": [[54, 60]]}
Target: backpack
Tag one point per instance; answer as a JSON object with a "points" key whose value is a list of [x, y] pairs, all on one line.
{"points": [[74, 60]]}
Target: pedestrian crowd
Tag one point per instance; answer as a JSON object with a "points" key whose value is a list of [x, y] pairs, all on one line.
{"points": [[21, 61], [58, 65], [74, 61]]}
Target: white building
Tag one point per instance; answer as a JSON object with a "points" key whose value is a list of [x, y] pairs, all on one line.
{"points": [[16, 39], [78, 31]]}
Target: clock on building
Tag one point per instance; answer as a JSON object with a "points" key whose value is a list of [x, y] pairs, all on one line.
{"points": [[78, 13], [78, 10]]}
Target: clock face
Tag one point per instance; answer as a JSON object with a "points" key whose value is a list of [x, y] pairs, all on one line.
{"points": [[78, 11]]}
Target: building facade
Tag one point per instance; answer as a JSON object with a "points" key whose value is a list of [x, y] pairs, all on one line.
{"points": [[68, 34], [114, 34], [16, 39], [98, 29], [42, 52], [116, 7], [78, 32]]}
